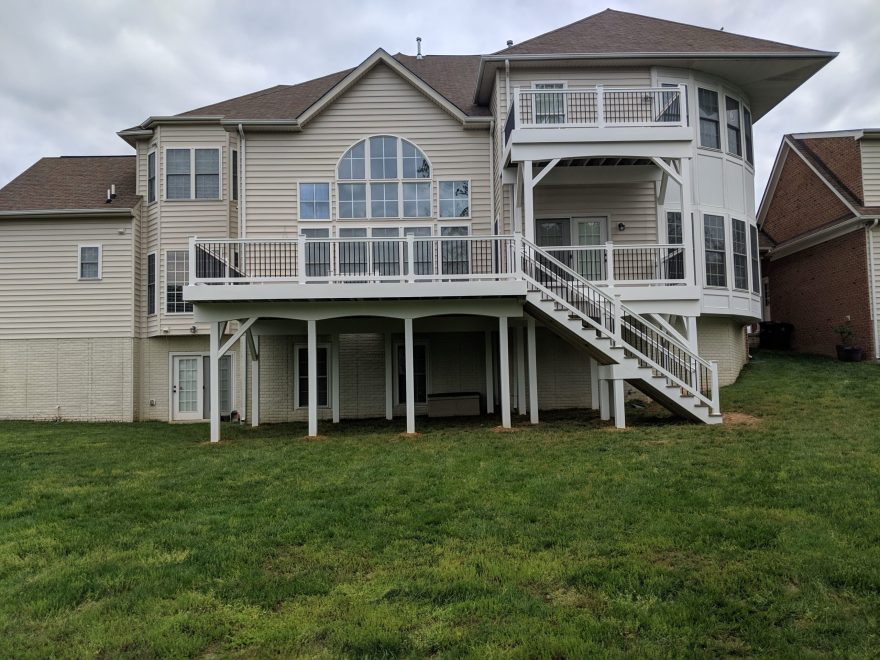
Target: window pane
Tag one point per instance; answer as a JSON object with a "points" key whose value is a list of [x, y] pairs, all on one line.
{"points": [[747, 128], [352, 200], [352, 164], [314, 201], [234, 174], [177, 186], [322, 372], [207, 186], [740, 255], [207, 161], [454, 199], [89, 271], [151, 177], [151, 284], [710, 135], [734, 143], [417, 200], [176, 275], [716, 265], [383, 157], [415, 165], [177, 161], [756, 275], [383, 200]]}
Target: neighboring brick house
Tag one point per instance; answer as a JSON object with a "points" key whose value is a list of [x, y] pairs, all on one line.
{"points": [[820, 214]]}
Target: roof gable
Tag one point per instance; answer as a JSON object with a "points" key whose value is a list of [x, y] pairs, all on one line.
{"points": [[839, 159]]}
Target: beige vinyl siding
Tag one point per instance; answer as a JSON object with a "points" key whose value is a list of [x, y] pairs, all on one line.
{"points": [[631, 203], [40, 293], [380, 103], [871, 171]]}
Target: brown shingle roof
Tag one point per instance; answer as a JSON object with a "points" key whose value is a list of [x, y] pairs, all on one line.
{"points": [[613, 31], [72, 182], [453, 76]]}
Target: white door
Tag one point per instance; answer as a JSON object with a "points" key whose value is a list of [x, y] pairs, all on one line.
{"points": [[186, 387], [592, 231]]}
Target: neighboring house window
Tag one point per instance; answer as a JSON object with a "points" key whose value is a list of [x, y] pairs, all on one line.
{"points": [[314, 201], [192, 174], [151, 176], [710, 130], [455, 199], [549, 107], [234, 175], [734, 126], [90, 262], [747, 132], [302, 376], [383, 177], [674, 236], [740, 255], [716, 264], [176, 276], [420, 372], [151, 283], [756, 274]]}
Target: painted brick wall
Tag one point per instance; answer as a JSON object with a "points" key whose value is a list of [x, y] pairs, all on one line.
{"points": [[563, 373], [817, 288], [801, 202], [71, 379], [723, 339]]}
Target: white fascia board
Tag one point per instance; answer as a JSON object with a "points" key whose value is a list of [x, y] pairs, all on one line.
{"points": [[826, 134], [816, 238], [172, 120]]}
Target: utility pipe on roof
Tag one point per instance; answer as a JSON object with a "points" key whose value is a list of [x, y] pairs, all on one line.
{"points": [[242, 196]]}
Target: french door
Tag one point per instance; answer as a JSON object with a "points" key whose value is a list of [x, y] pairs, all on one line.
{"points": [[187, 388], [590, 232]]}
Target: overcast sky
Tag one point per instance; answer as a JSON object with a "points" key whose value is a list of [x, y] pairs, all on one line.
{"points": [[74, 73]]}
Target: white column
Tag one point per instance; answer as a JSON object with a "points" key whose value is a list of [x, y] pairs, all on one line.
{"points": [[520, 370], [533, 371], [334, 377], [528, 202], [504, 371], [692, 265], [389, 378], [619, 412], [214, 384], [313, 377], [691, 329], [490, 376], [410, 376], [604, 400], [594, 384], [242, 376], [255, 382]]}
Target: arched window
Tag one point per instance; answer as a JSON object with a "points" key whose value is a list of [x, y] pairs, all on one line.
{"points": [[384, 177]]}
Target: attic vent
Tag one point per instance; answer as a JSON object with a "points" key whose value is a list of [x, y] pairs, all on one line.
{"points": [[418, 48], [509, 43]]}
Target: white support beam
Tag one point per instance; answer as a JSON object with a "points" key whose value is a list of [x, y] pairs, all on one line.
{"points": [[544, 172], [533, 371], [389, 378], [490, 375], [312, 330], [594, 384], [666, 167], [528, 201], [619, 411], [520, 344], [664, 325], [661, 194], [254, 343], [214, 380], [242, 329], [242, 375], [334, 376], [604, 400], [693, 341], [410, 376], [692, 271], [504, 371]]}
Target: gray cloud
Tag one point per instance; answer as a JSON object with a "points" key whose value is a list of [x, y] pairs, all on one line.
{"points": [[75, 73]]}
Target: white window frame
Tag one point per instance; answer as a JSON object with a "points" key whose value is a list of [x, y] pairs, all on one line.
{"points": [[166, 282], [79, 262], [395, 367], [734, 254], [721, 139], [234, 176], [296, 375], [152, 152], [727, 145], [447, 218], [535, 91], [748, 135], [728, 274], [192, 173], [330, 204], [155, 256]]}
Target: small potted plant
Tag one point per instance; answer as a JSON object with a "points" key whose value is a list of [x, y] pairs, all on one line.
{"points": [[846, 352]]}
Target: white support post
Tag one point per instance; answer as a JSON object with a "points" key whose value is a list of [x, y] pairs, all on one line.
{"points": [[504, 371], [594, 384], [301, 259], [716, 403], [255, 379], [619, 411], [214, 385], [618, 320], [519, 337], [604, 400], [691, 329], [490, 375], [334, 378], [528, 201], [533, 371], [410, 376], [609, 263], [389, 378], [411, 256], [692, 273], [192, 260], [242, 375], [600, 106], [313, 377]]}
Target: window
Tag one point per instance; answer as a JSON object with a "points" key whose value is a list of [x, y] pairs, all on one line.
{"points": [[353, 255], [317, 252], [747, 132], [549, 107], [176, 276], [740, 255], [455, 199], [716, 264], [384, 177], [710, 130], [90, 262], [454, 257], [423, 262], [734, 127], [151, 177], [234, 175], [670, 105], [314, 201], [151, 283], [387, 255], [756, 274], [674, 236], [420, 373], [182, 163], [302, 376]]}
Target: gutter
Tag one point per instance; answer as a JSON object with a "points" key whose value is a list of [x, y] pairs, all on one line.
{"points": [[44, 214]]}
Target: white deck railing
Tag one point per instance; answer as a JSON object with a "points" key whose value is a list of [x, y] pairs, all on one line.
{"points": [[631, 265], [596, 107]]}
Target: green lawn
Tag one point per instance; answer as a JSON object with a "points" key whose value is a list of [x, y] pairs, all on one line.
{"points": [[563, 540]]}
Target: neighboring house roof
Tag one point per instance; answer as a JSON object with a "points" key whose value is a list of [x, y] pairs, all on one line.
{"points": [[71, 182], [613, 31]]}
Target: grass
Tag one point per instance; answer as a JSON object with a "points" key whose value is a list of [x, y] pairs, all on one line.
{"points": [[564, 540]]}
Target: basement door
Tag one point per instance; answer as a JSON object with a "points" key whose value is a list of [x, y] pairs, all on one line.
{"points": [[190, 392]]}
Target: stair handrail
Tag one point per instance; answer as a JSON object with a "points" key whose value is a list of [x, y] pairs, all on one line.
{"points": [[620, 313]]}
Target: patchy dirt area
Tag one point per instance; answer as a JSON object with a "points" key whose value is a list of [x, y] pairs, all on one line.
{"points": [[740, 419]]}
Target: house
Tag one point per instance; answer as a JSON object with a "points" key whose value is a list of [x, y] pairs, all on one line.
{"points": [[553, 225], [820, 214]]}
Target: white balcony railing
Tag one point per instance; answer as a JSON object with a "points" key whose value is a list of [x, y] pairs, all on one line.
{"points": [[596, 107], [422, 259]]}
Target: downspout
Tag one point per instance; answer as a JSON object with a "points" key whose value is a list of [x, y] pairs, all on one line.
{"points": [[507, 84], [242, 188], [869, 229], [492, 229]]}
